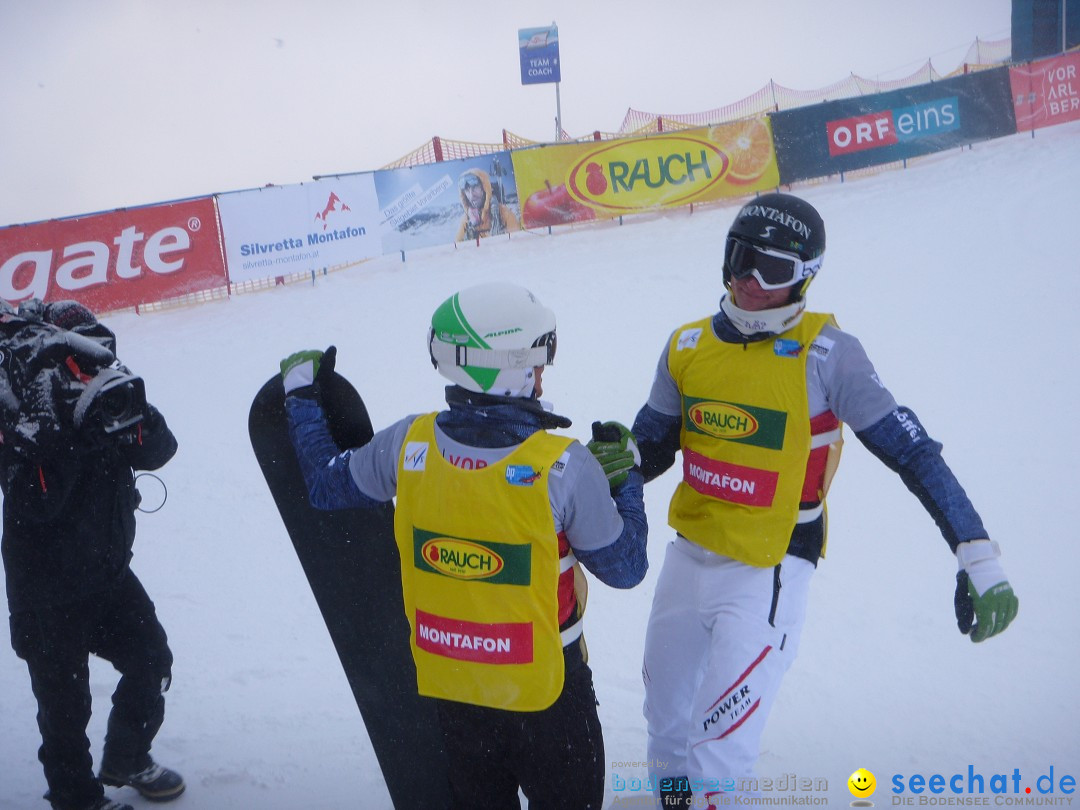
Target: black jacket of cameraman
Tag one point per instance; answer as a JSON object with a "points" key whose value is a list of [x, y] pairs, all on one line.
{"points": [[69, 517]]}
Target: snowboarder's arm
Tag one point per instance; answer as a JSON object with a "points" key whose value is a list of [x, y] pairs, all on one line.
{"points": [[657, 436], [901, 442], [984, 601], [605, 526], [325, 466], [657, 424], [624, 562]]}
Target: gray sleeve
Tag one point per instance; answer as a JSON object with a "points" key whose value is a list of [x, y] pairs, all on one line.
{"points": [[374, 466], [581, 502], [664, 395], [847, 380]]}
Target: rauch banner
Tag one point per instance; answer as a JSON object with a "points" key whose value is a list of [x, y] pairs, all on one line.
{"points": [[604, 179]]}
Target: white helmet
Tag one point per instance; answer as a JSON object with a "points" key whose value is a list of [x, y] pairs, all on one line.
{"points": [[490, 337]]}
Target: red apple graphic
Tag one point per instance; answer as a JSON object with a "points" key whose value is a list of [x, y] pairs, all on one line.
{"points": [[554, 206]]}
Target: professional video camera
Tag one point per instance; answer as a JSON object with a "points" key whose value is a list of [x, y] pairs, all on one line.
{"points": [[63, 386]]}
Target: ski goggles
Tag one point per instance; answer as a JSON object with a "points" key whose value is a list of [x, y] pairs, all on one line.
{"points": [[444, 350], [773, 269], [468, 181], [549, 342]]}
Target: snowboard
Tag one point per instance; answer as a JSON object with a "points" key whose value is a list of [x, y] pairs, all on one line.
{"points": [[351, 562]]}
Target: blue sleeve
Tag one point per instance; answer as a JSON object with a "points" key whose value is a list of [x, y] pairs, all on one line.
{"points": [[902, 443], [623, 563], [324, 465], [657, 436]]}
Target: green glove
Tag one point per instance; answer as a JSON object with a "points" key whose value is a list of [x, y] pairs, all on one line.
{"points": [[614, 447], [984, 601], [301, 369]]}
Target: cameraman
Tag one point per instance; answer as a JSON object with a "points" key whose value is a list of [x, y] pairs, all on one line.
{"points": [[69, 525]]}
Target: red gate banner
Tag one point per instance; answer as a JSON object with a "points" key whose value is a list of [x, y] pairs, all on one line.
{"points": [[117, 259]]}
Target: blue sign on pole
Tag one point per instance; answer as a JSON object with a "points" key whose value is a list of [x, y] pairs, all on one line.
{"points": [[539, 51]]}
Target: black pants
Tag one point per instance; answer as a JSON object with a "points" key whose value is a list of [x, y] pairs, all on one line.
{"points": [[121, 626], [555, 756]]}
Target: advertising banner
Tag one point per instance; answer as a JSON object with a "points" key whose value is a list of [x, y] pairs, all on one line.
{"points": [[117, 259], [1046, 92], [604, 179], [538, 49], [453, 201], [278, 230], [854, 133]]}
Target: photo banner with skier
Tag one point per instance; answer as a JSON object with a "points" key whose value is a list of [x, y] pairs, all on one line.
{"points": [[855, 133], [279, 230], [115, 260], [605, 179], [1046, 92], [452, 201]]}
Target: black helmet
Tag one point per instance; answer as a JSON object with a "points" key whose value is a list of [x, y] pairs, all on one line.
{"points": [[781, 223]]}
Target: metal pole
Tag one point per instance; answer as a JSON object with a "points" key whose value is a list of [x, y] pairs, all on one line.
{"points": [[1064, 5], [558, 115]]}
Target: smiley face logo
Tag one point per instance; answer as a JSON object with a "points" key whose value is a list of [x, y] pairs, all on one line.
{"points": [[862, 784]]}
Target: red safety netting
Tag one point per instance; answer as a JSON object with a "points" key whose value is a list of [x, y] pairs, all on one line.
{"points": [[772, 97]]}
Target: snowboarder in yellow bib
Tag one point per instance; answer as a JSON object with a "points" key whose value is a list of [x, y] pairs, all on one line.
{"points": [[755, 397], [495, 518]]}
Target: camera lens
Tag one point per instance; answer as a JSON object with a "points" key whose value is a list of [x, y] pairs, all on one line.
{"points": [[116, 403]]}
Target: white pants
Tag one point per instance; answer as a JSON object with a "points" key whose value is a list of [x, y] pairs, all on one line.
{"points": [[721, 635]]}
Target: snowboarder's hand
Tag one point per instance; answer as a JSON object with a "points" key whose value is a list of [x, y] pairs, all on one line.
{"points": [[303, 369], [614, 447], [984, 600]]}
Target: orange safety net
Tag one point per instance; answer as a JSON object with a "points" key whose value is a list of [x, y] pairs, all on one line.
{"points": [[772, 97]]}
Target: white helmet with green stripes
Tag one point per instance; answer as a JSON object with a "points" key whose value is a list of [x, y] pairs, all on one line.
{"points": [[490, 338]]}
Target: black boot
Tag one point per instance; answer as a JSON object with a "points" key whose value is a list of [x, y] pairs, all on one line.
{"points": [[156, 783]]}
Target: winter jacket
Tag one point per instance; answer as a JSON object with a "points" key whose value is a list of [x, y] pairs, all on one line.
{"points": [[365, 477], [841, 379], [69, 517]]}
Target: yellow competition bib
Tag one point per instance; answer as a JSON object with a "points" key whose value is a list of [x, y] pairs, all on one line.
{"points": [[480, 572], [745, 438]]}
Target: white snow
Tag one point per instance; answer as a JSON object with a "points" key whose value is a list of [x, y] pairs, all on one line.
{"points": [[960, 276]]}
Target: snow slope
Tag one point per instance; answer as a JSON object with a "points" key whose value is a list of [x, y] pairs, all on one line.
{"points": [[958, 274]]}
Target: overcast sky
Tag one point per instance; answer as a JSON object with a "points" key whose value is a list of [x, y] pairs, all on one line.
{"points": [[115, 103]]}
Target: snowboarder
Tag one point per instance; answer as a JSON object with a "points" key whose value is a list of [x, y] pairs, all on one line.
{"points": [[69, 525], [754, 397], [495, 515]]}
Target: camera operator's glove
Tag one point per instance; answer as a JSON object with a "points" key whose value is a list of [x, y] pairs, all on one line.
{"points": [[614, 447], [984, 600], [301, 370]]}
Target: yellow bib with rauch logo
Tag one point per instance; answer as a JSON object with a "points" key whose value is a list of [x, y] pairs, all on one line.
{"points": [[745, 438], [480, 571]]}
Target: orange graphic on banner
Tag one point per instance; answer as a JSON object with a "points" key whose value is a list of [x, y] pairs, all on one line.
{"points": [[750, 148]]}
